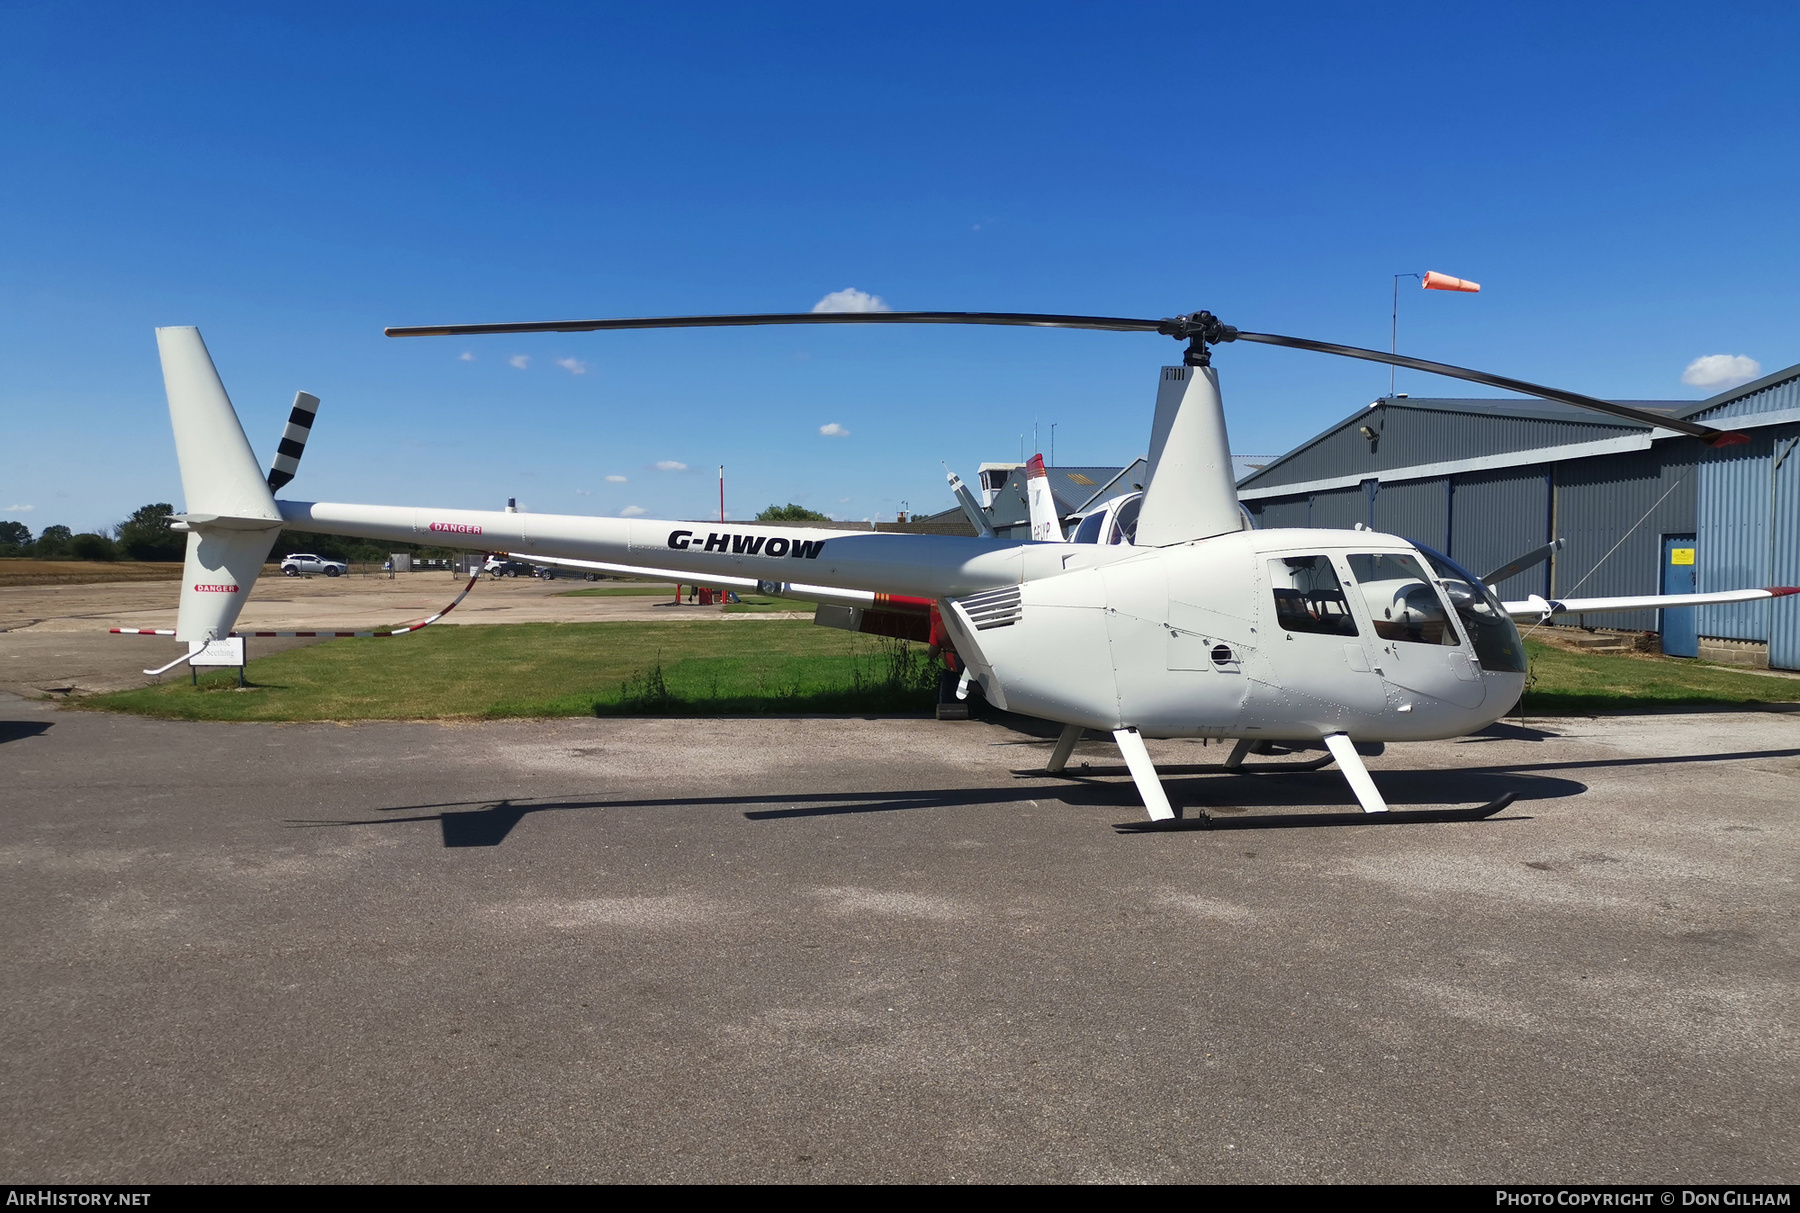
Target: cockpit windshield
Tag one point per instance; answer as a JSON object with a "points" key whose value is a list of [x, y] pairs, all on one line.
{"points": [[1490, 628], [1089, 530]]}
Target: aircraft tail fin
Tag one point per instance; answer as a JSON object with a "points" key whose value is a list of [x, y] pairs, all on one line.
{"points": [[1045, 525], [232, 519], [972, 511], [1190, 493]]}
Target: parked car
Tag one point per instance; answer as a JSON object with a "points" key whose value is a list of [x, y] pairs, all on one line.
{"points": [[296, 563], [497, 567]]}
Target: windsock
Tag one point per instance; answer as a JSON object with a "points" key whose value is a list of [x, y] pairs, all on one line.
{"points": [[1435, 281]]}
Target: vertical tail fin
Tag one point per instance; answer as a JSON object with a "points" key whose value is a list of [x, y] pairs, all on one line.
{"points": [[1191, 493], [970, 509], [231, 515], [1045, 525]]}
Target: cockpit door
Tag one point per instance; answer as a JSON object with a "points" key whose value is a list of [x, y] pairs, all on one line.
{"points": [[1313, 636], [1417, 645]]}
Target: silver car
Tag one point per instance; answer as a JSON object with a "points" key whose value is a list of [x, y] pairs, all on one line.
{"points": [[296, 563]]}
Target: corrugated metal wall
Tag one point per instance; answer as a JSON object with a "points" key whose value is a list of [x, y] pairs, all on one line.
{"points": [[1599, 502], [1296, 512], [1497, 516], [1418, 510], [1339, 509], [1733, 534]]}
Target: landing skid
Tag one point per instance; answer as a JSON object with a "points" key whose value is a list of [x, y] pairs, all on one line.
{"points": [[1165, 816], [1204, 768], [1289, 821]]}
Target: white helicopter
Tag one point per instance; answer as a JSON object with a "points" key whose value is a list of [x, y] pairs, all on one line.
{"points": [[1182, 622]]}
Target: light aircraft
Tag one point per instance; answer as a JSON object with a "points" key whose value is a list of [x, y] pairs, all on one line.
{"points": [[1189, 624]]}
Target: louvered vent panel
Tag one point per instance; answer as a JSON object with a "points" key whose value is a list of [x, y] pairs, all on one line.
{"points": [[993, 608]]}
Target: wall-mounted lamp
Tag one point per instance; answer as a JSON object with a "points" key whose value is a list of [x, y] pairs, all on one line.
{"points": [[1368, 432]]}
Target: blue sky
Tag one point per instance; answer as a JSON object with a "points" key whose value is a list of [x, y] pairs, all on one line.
{"points": [[1622, 180]]}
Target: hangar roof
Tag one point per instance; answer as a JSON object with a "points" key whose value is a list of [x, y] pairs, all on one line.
{"points": [[1771, 400], [1434, 431]]}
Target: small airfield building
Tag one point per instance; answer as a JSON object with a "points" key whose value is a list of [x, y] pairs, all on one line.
{"points": [[1641, 510]]}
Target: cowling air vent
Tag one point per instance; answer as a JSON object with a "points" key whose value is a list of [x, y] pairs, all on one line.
{"points": [[993, 608]]}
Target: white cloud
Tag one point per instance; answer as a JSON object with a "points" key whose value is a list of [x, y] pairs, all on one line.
{"points": [[1721, 371], [834, 430], [584, 492], [574, 366], [670, 465], [851, 300], [521, 361], [466, 356], [633, 511], [618, 479], [20, 509], [843, 501]]}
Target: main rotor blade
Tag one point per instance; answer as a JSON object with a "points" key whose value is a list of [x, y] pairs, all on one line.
{"points": [[1711, 436], [1528, 560], [1113, 324]]}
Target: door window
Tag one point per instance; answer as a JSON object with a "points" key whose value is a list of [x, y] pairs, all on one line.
{"points": [[1309, 597], [1402, 602], [1490, 628]]}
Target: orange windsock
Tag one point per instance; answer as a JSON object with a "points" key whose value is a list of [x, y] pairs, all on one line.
{"points": [[1435, 281]]}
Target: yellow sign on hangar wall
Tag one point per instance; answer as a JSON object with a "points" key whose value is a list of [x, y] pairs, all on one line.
{"points": [[1681, 555]]}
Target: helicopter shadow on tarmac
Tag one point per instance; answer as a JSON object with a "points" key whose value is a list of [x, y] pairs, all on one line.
{"points": [[487, 823], [1305, 797]]}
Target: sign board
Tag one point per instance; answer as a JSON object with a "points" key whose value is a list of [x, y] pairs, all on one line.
{"points": [[1681, 555], [229, 651]]}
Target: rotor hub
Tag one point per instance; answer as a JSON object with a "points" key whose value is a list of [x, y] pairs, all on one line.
{"points": [[1200, 330]]}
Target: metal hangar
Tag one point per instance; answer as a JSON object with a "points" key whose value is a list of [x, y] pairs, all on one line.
{"points": [[1641, 510]]}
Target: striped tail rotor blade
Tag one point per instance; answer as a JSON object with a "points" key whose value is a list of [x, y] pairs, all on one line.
{"points": [[293, 439]]}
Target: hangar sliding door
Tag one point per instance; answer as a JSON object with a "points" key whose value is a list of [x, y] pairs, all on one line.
{"points": [[1499, 516], [1289, 513], [1340, 509], [1418, 510], [1784, 613], [1611, 513]]}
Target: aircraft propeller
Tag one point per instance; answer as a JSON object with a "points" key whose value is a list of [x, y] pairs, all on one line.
{"points": [[1199, 329]]}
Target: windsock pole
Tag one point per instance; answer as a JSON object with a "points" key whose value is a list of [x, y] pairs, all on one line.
{"points": [[1430, 280]]}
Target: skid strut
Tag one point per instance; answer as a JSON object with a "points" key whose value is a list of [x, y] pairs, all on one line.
{"points": [[1143, 773], [1065, 746]]}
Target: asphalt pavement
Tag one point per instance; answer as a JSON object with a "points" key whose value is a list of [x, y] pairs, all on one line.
{"points": [[867, 950]]}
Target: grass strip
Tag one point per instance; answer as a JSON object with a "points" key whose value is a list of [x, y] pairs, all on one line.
{"points": [[706, 667], [678, 668], [1565, 683]]}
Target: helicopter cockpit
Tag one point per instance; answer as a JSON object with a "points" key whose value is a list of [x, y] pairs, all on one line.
{"points": [[1116, 521]]}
